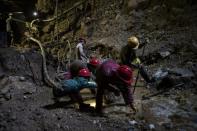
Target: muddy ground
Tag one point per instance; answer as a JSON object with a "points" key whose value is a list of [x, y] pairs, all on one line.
{"points": [[26, 102]]}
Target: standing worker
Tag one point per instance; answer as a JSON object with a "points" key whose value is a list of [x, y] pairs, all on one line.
{"points": [[80, 50], [114, 78], [128, 57]]}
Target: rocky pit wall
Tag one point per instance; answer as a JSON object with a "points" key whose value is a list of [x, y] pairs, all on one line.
{"points": [[111, 23], [25, 100]]}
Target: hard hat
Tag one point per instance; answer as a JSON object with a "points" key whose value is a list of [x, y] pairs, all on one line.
{"points": [[133, 42], [94, 62], [125, 73], [84, 72]]}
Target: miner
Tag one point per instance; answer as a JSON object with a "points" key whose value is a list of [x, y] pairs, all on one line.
{"points": [[128, 57], [80, 50], [114, 78]]}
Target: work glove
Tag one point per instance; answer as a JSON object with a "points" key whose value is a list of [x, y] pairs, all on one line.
{"points": [[136, 61]]}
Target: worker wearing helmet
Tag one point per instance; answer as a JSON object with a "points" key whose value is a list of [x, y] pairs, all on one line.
{"points": [[92, 66], [128, 57], [80, 50], [114, 78], [73, 86]]}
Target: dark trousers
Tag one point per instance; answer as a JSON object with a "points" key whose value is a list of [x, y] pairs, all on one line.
{"points": [[104, 89]]}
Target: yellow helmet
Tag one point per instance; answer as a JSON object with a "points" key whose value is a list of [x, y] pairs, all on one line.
{"points": [[133, 42]]}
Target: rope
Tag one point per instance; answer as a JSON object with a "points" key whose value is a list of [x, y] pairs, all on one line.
{"points": [[32, 22], [47, 79]]}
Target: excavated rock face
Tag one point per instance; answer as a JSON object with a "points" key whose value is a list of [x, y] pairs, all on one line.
{"points": [[28, 65]]}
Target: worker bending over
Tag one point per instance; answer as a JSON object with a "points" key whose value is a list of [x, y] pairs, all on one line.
{"points": [[115, 78]]}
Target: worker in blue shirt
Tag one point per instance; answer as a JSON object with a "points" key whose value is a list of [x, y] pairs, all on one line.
{"points": [[73, 86]]}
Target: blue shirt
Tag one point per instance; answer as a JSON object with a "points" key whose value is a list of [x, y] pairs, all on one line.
{"points": [[76, 84]]}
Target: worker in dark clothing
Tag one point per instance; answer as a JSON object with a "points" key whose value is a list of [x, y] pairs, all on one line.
{"points": [[115, 78], [92, 66], [73, 86], [128, 57], [77, 65], [80, 50]]}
